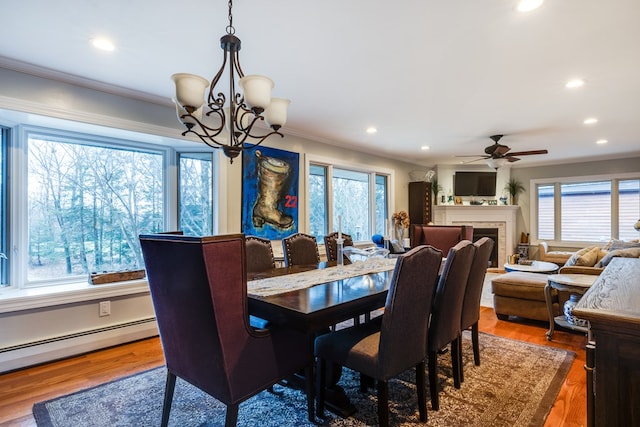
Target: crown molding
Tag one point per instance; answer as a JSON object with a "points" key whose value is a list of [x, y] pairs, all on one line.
{"points": [[48, 73]]}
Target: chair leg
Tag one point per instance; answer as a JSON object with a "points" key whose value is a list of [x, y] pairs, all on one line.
{"points": [[383, 403], [422, 399], [366, 382], [308, 388], [455, 361], [168, 397], [476, 343], [321, 375], [433, 379], [461, 359], [232, 416]]}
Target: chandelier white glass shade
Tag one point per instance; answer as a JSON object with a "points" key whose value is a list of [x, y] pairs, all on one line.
{"points": [[239, 115], [496, 163]]}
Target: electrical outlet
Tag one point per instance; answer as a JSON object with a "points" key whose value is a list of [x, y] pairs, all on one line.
{"points": [[105, 308]]}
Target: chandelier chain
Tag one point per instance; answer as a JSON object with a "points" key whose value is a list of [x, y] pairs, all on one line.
{"points": [[230, 28]]}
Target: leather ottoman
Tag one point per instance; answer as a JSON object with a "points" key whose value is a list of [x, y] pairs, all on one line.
{"points": [[522, 294]]}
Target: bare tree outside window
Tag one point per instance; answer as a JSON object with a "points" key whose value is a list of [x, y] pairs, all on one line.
{"points": [[87, 205]]}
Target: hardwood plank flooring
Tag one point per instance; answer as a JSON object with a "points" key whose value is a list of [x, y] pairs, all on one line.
{"points": [[19, 390]]}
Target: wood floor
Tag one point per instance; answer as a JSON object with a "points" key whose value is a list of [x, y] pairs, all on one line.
{"points": [[19, 390]]}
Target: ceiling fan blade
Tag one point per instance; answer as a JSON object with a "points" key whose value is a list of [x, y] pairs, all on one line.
{"points": [[496, 150], [511, 159], [501, 150], [475, 155], [528, 153], [475, 160]]}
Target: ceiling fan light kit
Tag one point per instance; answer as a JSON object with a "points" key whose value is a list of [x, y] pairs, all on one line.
{"points": [[496, 163], [498, 155], [243, 111]]}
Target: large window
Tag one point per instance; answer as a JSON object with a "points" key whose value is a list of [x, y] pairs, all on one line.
{"points": [[318, 201], [593, 210], [79, 201], [196, 193], [358, 197], [4, 135], [87, 204]]}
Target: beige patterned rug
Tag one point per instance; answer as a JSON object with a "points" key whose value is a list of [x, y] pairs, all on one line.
{"points": [[515, 385]]}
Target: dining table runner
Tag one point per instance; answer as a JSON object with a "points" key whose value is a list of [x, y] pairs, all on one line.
{"points": [[292, 282]]}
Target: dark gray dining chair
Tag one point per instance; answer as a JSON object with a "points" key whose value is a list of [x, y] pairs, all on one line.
{"points": [[199, 292], [383, 349], [472, 296], [259, 254], [444, 328], [300, 249], [331, 246]]}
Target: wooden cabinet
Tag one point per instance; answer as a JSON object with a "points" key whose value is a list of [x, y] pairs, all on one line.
{"points": [[612, 307], [420, 211]]}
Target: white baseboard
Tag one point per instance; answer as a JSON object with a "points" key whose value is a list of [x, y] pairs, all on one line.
{"points": [[61, 347]]}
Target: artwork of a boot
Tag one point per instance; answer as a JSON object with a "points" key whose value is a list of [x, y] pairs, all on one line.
{"points": [[272, 178]]}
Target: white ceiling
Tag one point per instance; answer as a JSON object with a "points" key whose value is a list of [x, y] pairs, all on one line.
{"points": [[442, 73]]}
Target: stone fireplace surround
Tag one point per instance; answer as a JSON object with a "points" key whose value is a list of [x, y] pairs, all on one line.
{"points": [[503, 218]]}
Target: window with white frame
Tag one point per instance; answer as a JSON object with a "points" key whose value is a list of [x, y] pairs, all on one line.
{"points": [[592, 209], [87, 205], [4, 136], [84, 199], [359, 197], [196, 193]]}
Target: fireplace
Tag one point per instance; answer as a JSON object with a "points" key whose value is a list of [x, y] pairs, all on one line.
{"points": [[502, 218], [492, 233]]}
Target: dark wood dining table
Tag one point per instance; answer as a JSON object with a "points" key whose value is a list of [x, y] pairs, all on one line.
{"points": [[316, 308]]}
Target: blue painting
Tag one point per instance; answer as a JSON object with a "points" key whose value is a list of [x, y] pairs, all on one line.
{"points": [[270, 192]]}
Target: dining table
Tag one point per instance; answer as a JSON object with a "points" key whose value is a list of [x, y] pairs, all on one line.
{"points": [[313, 298]]}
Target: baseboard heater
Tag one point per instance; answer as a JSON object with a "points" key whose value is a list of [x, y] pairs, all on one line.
{"points": [[50, 349]]}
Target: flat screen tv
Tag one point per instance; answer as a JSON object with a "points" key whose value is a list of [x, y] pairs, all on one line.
{"points": [[474, 184]]}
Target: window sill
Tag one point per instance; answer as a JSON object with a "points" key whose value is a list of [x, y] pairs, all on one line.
{"points": [[25, 299]]}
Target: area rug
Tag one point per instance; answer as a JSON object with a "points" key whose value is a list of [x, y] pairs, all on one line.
{"points": [[515, 385]]}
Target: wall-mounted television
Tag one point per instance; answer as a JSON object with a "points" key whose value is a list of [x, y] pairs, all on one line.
{"points": [[474, 183]]}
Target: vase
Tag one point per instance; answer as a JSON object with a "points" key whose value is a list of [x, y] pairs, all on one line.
{"points": [[569, 305], [399, 230]]}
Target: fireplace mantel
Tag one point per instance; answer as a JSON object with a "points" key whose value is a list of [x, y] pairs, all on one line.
{"points": [[504, 217]]}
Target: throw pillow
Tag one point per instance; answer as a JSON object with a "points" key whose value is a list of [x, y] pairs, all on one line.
{"points": [[586, 257], [621, 244], [624, 253]]}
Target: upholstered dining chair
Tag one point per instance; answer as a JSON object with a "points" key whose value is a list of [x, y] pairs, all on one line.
{"points": [[199, 293], [444, 327], [331, 246], [300, 249], [382, 350], [472, 296], [259, 254]]}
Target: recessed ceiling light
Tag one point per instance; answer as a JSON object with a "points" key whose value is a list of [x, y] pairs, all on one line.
{"points": [[575, 83], [590, 121], [425, 147], [601, 141], [103, 44], [372, 129], [529, 5]]}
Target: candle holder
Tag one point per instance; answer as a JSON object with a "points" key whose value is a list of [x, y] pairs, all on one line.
{"points": [[340, 251]]}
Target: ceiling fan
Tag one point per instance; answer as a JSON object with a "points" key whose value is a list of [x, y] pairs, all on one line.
{"points": [[498, 154]]}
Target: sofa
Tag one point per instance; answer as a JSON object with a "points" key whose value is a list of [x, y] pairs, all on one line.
{"points": [[442, 237], [557, 257], [521, 294]]}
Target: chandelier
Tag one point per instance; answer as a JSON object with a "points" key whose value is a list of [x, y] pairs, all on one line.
{"points": [[242, 112]]}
